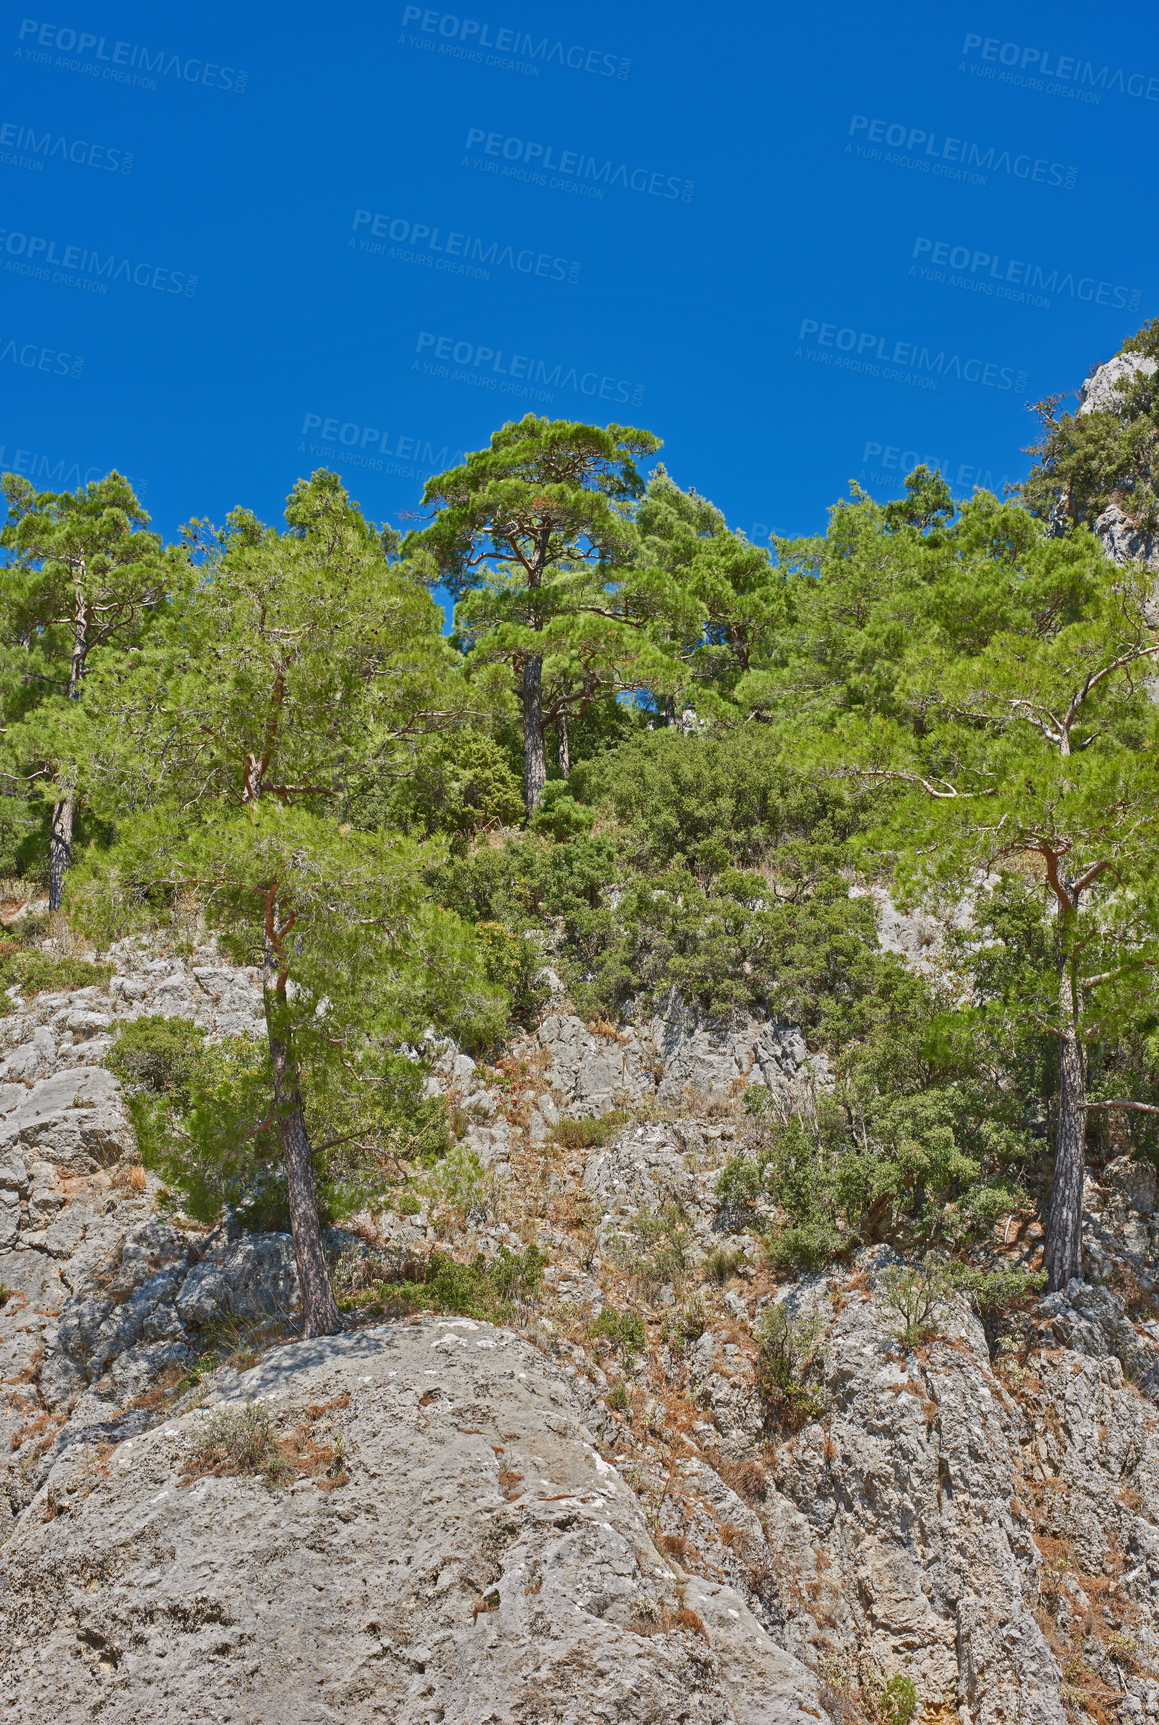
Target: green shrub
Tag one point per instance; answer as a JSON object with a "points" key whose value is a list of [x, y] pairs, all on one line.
{"points": [[445, 1284], [462, 783], [161, 1056], [559, 816], [589, 1132], [787, 1351], [513, 960], [994, 1290], [911, 1146], [741, 1181], [919, 1295], [624, 1331], [34, 971], [899, 1700]]}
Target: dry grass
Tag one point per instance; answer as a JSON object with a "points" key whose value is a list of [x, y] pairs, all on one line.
{"points": [[129, 1178], [244, 1441], [44, 1426]]}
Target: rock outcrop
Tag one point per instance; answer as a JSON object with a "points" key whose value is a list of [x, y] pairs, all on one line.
{"points": [[569, 1522], [1123, 539], [1102, 391], [465, 1553]]}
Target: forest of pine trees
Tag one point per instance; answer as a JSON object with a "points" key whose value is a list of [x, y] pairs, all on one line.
{"points": [[650, 754]]}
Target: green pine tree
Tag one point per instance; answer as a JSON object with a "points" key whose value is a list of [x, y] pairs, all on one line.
{"points": [[533, 537]]}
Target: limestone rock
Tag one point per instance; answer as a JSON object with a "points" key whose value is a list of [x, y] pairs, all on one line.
{"points": [[1102, 391], [481, 1562], [249, 1278], [1124, 541]]}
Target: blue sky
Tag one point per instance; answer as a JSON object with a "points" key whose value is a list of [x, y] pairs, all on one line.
{"points": [[803, 245]]}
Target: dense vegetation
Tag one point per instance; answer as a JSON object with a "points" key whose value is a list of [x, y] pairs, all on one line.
{"points": [[656, 758]]}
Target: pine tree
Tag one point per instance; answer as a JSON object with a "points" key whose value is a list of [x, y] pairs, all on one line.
{"points": [[297, 668], [995, 677], [83, 576], [532, 536]]}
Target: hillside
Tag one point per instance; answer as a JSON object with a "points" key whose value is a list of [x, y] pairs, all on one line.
{"points": [[673, 1314]]}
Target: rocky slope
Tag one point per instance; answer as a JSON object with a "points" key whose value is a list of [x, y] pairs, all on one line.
{"points": [[469, 1555], [1123, 539], [435, 1519]]}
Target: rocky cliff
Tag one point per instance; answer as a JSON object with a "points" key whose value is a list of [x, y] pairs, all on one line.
{"points": [[1122, 538], [563, 1518]]}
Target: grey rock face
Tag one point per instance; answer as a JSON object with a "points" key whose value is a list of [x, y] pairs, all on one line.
{"points": [[253, 1277], [672, 1054], [1124, 541], [1102, 391], [482, 1563], [908, 1491], [73, 1119]]}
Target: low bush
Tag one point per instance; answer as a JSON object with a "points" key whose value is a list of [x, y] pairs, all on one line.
{"points": [[899, 1700], [920, 1296], [788, 1350], [159, 1055], [244, 1440], [491, 1290], [590, 1132], [626, 1332], [35, 971]]}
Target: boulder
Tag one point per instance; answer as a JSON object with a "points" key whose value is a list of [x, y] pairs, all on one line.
{"points": [[458, 1550], [1102, 391], [72, 1118]]}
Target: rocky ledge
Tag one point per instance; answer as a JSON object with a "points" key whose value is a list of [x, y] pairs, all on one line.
{"points": [[455, 1547]]}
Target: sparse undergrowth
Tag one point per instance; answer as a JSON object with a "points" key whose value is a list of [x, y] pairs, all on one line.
{"points": [[384, 1284], [245, 1441], [36, 971]]}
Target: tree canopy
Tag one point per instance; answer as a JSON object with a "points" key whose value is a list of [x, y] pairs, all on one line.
{"points": [[952, 703]]}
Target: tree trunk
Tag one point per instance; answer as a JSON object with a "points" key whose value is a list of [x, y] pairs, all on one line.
{"points": [[59, 849], [669, 710], [60, 833], [534, 751], [564, 746], [1062, 1255], [320, 1313]]}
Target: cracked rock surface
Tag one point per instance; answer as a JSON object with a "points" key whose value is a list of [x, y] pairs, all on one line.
{"points": [[481, 1562]]}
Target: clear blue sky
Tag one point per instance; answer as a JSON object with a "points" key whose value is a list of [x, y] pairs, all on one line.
{"points": [[802, 244]]}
